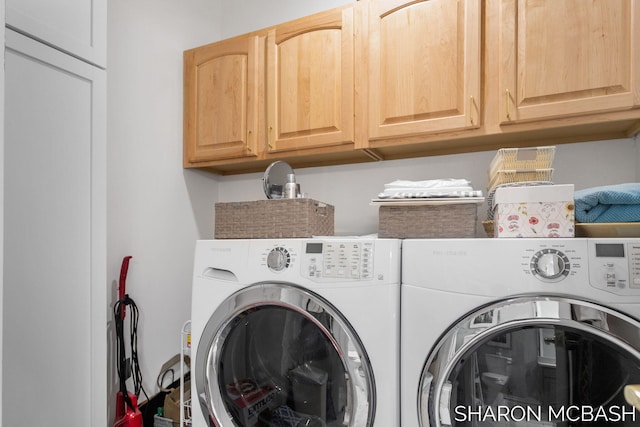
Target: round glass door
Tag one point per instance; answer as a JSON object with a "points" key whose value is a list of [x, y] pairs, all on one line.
{"points": [[279, 355], [533, 361]]}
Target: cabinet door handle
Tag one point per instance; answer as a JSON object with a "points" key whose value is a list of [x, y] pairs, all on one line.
{"points": [[248, 142], [472, 105], [508, 99], [270, 138]]}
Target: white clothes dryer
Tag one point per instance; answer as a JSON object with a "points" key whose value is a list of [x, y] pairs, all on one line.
{"points": [[296, 332], [534, 332]]}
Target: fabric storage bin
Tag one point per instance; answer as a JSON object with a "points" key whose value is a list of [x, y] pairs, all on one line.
{"points": [[277, 218], [538, 211], [428, 221]]}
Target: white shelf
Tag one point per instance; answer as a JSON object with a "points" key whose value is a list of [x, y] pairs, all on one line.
{"points": [[185, 350]]}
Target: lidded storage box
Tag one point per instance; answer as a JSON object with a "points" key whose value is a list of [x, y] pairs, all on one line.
{"points": [[274, 218], [537, 211]]}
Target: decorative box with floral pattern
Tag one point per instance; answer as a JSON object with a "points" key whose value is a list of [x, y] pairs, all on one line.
{"points": [[538, 211]]}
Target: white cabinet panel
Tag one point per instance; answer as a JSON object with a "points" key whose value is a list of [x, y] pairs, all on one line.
{"points": [[55, 291], [74, 26]]}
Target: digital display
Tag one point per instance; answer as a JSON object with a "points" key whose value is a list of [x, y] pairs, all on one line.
{"points": [[610, 250], [314, 248]]}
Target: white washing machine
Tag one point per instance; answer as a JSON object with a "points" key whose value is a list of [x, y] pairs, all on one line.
{"points": [[296, 332], [533, 332]]}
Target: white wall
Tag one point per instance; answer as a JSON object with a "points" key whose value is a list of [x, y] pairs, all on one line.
{"points": [[2, 20], [156, 210], [243, 16], [350, 188], [637, 140]]}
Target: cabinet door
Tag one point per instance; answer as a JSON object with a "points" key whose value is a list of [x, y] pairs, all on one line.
{"points": [[55, 281], [78, 27], [223, 86], [423, 67], [568, 57], [310, 88]]}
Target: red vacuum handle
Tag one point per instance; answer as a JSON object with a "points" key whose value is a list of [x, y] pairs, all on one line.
{"points": [[122, 285]]}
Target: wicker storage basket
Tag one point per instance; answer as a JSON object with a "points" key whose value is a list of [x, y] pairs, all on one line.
{"points": [[510, 176], [278, 218], [522, 159], [428, 221]]}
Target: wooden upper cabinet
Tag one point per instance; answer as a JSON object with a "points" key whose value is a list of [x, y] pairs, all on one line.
{"points": [[310, 72], [568, 57], [389, 79], [423, 69], [223, 86]]}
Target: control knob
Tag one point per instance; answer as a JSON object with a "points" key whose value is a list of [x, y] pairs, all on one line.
{"points": [[550, 265], [278, 259]]}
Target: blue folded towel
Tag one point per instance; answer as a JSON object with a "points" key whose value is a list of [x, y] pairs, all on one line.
{"points": [[609, 203]]}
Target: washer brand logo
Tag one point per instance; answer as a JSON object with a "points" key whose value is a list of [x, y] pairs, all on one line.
{"points": [[451, 252], [220, 249]]}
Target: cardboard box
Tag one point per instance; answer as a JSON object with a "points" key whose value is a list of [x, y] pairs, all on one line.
{"points": [[250, 400], [535, 211], [172, 402]]}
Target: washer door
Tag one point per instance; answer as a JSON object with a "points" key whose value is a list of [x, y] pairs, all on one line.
{"points": [[279, 355], [543, 361]]}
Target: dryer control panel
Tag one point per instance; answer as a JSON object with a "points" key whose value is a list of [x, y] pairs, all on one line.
{"points": [[345, 260], [615, 266], [323, 259]]}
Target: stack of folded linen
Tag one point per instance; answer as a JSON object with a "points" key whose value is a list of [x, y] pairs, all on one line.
{"points": [[608, 204], [446, 188]]}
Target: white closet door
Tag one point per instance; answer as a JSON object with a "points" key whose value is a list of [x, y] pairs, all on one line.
{"points": [[78, 27], [55, 290]]}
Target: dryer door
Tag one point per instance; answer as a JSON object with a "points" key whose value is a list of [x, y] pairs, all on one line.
{"points": [[543, 361], [280, 355]]}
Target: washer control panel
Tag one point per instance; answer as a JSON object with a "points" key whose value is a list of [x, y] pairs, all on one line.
{"points": [[550, 265], [344, 260], [612, 264], [615, 266]]}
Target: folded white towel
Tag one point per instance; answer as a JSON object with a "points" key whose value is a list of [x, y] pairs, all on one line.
{"points": [[432, 183], [448, 187], [420, 193]]}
